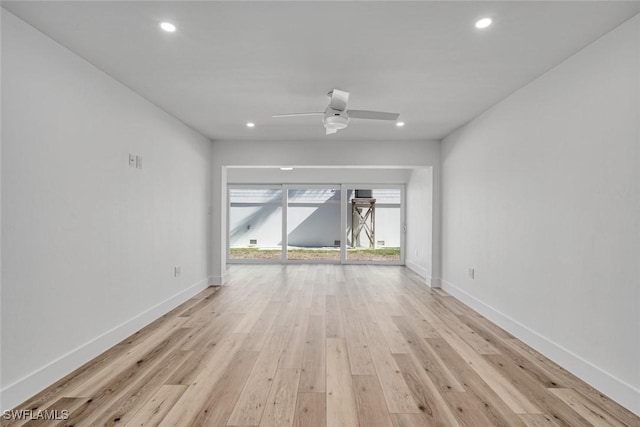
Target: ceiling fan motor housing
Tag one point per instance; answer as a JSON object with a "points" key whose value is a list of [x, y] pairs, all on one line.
{"points": [[335, 119]]}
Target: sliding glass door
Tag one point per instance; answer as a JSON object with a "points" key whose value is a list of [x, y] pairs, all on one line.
{"points": [[255, 224], [359, 224], [313, 224], [374, 225]]}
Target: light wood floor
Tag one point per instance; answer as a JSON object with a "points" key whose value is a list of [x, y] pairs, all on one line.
{"points": [[325, 345]]}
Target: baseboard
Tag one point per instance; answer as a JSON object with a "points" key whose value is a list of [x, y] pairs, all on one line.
{"points": [[618, 390], [433, 282], [418, 269], [21, 390], [218, 280]]}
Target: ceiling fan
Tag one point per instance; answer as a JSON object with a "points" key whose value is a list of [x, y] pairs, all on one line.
{"points": [[336, 116]]}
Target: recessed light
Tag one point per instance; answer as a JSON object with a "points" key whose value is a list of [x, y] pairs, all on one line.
{"points": [[483, 23], [286, 169], [399, 124], [251, 125], [168, 27]]}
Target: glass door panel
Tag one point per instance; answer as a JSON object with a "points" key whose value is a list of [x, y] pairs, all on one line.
{"points": [[374, 225], [255, 224], [313, 224]]}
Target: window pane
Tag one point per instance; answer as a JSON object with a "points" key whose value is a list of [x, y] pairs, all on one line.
{"points": [[313, 224], [255, 224], [374, 224]]}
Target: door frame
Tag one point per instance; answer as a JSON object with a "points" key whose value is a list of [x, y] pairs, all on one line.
{"points": [[343, 222]]}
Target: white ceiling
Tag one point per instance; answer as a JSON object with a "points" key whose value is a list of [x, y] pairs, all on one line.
{"points": [[233, 62]]}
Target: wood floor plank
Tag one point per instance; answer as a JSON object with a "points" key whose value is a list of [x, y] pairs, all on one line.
{"points": [[92, 385], [541, 375], [359, 355], [434, 410], [313, 376], [429, 360], [294, 349], [441, 292], [251, 315], [412, 420], [202, 342], [196, 395], [311, 410], [341, 403], [422, 325], [251, 402], [281, 403], [155, 409], [538, 420], [324, 345], [372, 408], [130, 402], [537, 394], [467, 410], [571, 381], [396, 392], [587, 409], [224, 394], [212, 325], [262, 327], [335, 324], [453, 324], [475, 321], [511, 395], [494, 407], [396, 341], [122, 382], [64, 405], [318, 306]]}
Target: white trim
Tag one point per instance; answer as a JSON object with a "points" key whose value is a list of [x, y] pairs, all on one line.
{"points": [[434, 282], [364, 262], [254, 261], [623, 393], [218, 280], [418, 269], [313, 261], [26, 387]]}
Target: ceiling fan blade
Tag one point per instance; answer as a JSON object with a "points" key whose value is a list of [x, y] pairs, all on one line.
{"points": [[339, 99], [299, 114], [373, 115], [330, 131]]}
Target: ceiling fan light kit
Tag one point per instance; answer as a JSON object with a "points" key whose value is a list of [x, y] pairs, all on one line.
{"points": [[336, 116]]}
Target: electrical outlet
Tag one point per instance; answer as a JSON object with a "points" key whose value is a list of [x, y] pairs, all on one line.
{"points": [[176, 271], [472, 273], [139, 162], [132, 160]]}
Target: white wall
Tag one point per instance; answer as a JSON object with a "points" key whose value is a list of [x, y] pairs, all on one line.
{"points": [[317, 175], [419, 240], [322, 153], [542, 198], [89, 244]]}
